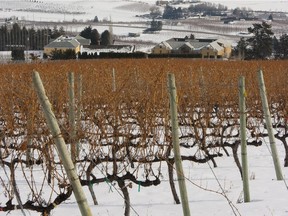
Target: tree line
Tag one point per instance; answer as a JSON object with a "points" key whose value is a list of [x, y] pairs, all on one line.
{"points": [[15, 37], [263, 44], [18, 38], [204, 8], [105, 38]]}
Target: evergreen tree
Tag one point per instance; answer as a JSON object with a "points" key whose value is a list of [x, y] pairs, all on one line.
{"points": [[106, 38], [276, 47], [283, 44], [61, 31], [168, 12], [96, 19], [39, 39], [91, 34], [178, 13], [261, 42], [57, 33], [172, 13], [15, 33], [95, 37], [192, 36], [210, 8], [3, 37], [23, 38], [32, 39], [156, 25], [242, 49], [86, 33]]}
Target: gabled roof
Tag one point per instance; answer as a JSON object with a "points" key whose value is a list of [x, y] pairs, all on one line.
{"points": [[74, 42], [223, 42], [214, 45], [195, 44], [175, 43], [187, 44], [167, 45], [198, 45], [83, 41], [63, 42]]}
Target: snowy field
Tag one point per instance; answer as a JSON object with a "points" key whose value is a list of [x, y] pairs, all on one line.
{"points": [[127, 12], [124, 15], [263, 5], [51, 10], [115, 10], [268, 196]]}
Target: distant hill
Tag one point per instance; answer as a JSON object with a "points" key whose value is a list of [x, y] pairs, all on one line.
{"points": [[68, 10]]}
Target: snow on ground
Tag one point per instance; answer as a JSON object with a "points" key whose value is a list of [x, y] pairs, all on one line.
{"points": [[263, 5], [5, 56], [50, 10], [268, 196], [116, 10], [127, 11]]}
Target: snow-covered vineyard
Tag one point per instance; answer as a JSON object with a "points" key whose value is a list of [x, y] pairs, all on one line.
{"points": [[121, 142]]}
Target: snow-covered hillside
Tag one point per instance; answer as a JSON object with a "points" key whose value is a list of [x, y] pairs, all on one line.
{"points": [[52, 10], [263, 5], [125, 17], [117, 10]]}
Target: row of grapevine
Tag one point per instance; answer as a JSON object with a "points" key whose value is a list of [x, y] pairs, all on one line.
{"points": [[123, 123]]}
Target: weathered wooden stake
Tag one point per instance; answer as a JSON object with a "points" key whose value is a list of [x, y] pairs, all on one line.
{"points": [[242, 107], [30, 124], [269, 126], [72, 118], [61, 146], [29, 156], [79, 108], [113, 80], [78, 127], [176, 147]]}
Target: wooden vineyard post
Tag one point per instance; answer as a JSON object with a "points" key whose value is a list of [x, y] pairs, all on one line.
{"points": [[242, 108], [30, 124], [61, 146], [176, 148], [79, 108], [72, 125], [29, 156], [269, 126], [79, 96], [113, 81]]}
